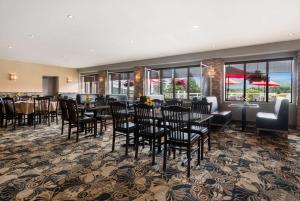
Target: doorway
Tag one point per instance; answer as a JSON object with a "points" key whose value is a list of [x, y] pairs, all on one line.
{"points": [[50, 85]]}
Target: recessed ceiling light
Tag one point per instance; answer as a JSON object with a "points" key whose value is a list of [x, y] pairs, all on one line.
{"points": [[196, 26], [131, 41], [92, 50], [69, 16], [9, 46], [31, 36], [291, 34]]}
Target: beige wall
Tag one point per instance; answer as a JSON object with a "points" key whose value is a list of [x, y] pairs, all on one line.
{"points": [[30, 77]]}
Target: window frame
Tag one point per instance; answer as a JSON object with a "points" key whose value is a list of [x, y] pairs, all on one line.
{"points": [[244, 63], [82, 83], [119, 83], [173, 79]]}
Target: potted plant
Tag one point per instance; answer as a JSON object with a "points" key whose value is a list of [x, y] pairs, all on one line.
{"points": [[257, 76]]}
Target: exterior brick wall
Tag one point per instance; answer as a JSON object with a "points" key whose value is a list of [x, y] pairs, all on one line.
{"points": [[103, 80], [139, 77], [217, 81]]}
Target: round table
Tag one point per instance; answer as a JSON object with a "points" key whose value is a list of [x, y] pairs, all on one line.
{"points": [[243, 107]]}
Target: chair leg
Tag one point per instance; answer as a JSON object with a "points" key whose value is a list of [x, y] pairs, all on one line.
{"points": [[188, 153], [69, 132], [198, 158], [127, 142], [114, 139], [77, 133], [101, 126], [209, 142], [33, 120], [257, 132], [136, 144], [56, 117], [165, 154], [202, 147], [62, 127], [95, 128], [153, 152], [174, 151], [14, 122]]}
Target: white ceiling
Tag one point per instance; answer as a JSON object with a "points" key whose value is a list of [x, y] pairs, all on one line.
{"points": [[110, 31]]}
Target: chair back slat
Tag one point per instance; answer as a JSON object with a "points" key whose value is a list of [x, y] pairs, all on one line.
{"points": [[144, 117], [177, 120], [174, 102], [41, 105], [9, 106], [119, 113], [73, 111], [64, 109], [201, 107]]}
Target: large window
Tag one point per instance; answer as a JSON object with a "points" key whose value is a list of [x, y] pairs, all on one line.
{"points": [[179, 82], [121, 83], [259, 80], [89, 84]]}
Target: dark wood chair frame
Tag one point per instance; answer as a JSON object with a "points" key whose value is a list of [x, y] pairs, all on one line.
{"points": [[10, 111], [41, 110], [76, 120], [147, 128], [178, 128], [64, 114], [202, 107], [121, 123]]}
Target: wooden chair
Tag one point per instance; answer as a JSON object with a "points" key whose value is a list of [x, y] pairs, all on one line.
{"points": [[203, 129], [147, 128], [2, 113], [54, 113], [41, 110], [10, 111], [75, 120], [104, 117], [121, 124], [64, 113], [177, 122]]}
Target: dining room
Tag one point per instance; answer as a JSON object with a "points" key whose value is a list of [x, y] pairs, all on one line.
{"points": [[149, 100]]}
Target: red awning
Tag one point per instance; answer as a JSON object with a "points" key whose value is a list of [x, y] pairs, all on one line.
{"points": [[263, 83], [231, 81]]}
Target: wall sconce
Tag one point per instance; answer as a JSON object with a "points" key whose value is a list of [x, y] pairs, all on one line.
{"points": [[138, 77], [69, 80], [211, 72], [12, 76], [101, 79]]}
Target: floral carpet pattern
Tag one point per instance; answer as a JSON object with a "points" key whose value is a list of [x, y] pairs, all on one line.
{"points": [[41, 164]]}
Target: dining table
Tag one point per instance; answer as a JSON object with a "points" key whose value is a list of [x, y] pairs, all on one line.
{"points": [[244, 106], [27, 107], [95, 109]]}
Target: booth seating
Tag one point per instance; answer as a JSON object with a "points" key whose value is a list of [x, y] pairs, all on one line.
{"points": [[81, 98], [277, 121], [221, 117], [119, 97]]}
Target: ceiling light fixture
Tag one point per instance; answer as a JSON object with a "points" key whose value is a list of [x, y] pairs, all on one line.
{"points": [[9, 46], [291, 34], [69, 16], [92, 50], [196, 26]]}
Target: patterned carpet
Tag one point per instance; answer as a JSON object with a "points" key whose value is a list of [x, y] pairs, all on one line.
{"points": [[42, 165]]}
